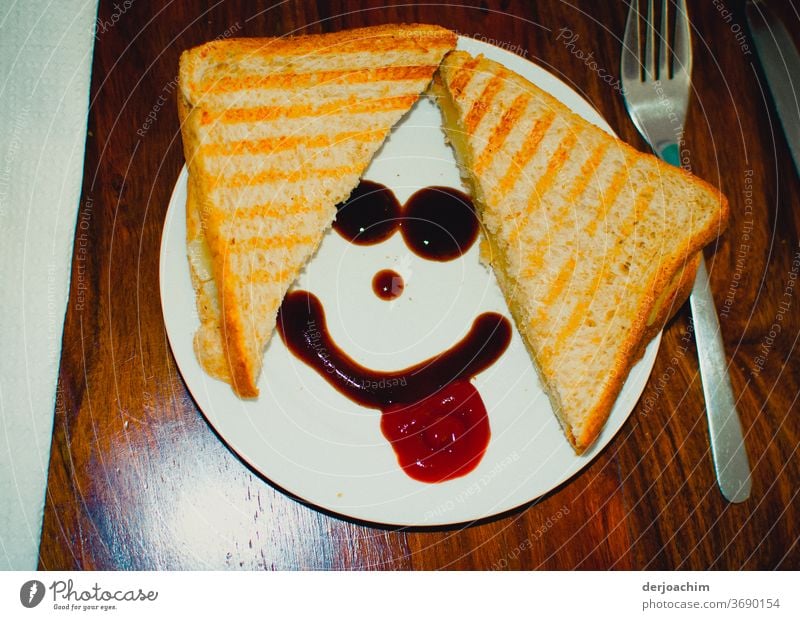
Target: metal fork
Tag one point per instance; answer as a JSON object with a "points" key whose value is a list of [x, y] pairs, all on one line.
{"points": [[656, 96]]}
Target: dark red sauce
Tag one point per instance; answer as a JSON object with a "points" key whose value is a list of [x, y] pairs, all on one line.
{"points": [[434, 396], [439, 437], [370, 215], [388, 284], [437, 223]]}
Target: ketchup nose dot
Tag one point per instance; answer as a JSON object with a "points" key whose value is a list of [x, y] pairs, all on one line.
{"points": [[388, 284]]}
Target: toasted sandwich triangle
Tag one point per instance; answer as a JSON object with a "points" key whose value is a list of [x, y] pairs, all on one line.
{"points": [[276, 133], [594, 244]]}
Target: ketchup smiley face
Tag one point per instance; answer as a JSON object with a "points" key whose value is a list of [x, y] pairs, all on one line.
{"points": [[433, 417]]}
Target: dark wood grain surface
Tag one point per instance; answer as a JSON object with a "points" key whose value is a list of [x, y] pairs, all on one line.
{"points": [[138, 480]]}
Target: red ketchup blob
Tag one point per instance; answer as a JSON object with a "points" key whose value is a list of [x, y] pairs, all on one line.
{"points": [[439, 437], [433, 417]]}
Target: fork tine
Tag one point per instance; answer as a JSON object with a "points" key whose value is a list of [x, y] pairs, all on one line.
{"points": [[683, 42], [649, 43], [664, 47], [631, 63]]}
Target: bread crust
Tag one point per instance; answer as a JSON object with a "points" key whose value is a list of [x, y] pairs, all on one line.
{"points": [[231, 332], [680, 290], [370, 39]]}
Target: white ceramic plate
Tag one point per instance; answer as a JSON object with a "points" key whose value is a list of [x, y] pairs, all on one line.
{"points": [[308, 439]]}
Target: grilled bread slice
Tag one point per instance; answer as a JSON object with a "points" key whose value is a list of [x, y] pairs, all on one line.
{"points": [[594, 244], [276, 132]]}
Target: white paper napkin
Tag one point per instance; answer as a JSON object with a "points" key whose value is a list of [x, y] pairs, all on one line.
{"points": [[45, 63]]}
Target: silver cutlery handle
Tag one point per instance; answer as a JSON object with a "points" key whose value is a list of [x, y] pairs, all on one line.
{"points": [[725, 429]]}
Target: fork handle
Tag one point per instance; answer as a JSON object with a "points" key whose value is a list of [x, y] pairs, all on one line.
{"points": [[724, 428]]}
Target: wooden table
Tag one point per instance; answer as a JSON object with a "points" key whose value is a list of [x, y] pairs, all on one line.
{"points": [[138, 480]]}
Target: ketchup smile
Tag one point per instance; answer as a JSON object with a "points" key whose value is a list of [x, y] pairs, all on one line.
{"points": [[433, 417]]}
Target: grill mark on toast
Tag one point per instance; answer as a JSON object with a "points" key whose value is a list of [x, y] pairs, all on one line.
{"points": [[643, 200], [525, 153], [317, 78], [554, 165], [350, 105], [558, 284], [483, 102], [274, 210], [283, 143], [587, 172], [608, 198], [271, 243], [463, 76], [536, 256], [501, 131], [266, 276], [284, 176], [640, 205]]}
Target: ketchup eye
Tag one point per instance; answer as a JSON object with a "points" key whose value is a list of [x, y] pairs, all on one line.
{"points": [[370, 215], [439, 223]]}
